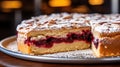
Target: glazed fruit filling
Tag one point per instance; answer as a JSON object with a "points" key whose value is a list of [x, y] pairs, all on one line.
{"points": [[49, 41]]}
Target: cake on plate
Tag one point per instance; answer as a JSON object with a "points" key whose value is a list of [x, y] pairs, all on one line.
{"points": [[64, 32], [54, 33]]}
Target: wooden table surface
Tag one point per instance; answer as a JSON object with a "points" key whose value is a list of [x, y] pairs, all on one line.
{"points": [[9, 61]]}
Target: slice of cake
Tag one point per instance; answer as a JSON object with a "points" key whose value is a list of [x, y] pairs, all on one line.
{"points": [[106, 39], [65, 32], [54, 33]]}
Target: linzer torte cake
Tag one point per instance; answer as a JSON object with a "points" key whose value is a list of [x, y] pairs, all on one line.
{"points": [[54, 33], [65, 32]]}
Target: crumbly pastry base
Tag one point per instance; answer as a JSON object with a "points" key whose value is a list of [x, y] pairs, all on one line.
{"points": [[59, 47], [83, 54]]}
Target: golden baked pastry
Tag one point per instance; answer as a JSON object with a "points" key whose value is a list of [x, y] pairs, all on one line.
{"points": [[106, 39], [65, 32], [54, 33]]}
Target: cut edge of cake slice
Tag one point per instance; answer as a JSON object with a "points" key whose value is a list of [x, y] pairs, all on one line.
{"points": [[106, 41], [54, 33]]}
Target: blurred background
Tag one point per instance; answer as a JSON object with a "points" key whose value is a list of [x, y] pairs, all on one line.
{"points": [[12, 12]]}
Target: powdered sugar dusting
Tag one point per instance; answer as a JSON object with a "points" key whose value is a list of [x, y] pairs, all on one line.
{"points": [[53, 21], [58, 21], [12, 46], [108, 27], [87, 53]]}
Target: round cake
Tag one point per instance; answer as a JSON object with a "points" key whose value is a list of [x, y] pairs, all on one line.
{"points": [[63, 32]]}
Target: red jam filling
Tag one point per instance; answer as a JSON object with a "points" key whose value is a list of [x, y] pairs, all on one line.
{"points": [[49, 41]]}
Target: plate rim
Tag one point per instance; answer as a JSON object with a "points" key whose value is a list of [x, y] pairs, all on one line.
{"points": [[55, 59]]}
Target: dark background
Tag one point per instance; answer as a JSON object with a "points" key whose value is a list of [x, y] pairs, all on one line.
{"points": [[11, 17]]}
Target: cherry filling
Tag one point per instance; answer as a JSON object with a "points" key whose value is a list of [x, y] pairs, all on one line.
{"points": [[48, 42], [96, 42]]}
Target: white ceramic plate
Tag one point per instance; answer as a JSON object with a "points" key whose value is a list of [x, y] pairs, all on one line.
{"points": [[9, 46]]}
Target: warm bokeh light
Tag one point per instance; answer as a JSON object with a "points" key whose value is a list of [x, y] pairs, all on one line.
{"points": [[96, 2], [11, 4], [59, 3], [6, 10], [81, 9]]}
